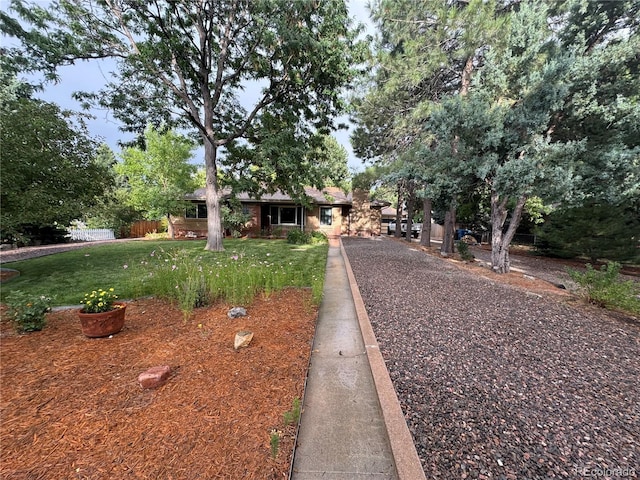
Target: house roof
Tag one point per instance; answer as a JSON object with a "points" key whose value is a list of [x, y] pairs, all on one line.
{"points": [[389, 212], [327, 196], [381, 204]]}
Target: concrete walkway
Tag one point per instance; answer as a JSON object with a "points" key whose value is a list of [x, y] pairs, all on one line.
{"points": [[351, 426]]}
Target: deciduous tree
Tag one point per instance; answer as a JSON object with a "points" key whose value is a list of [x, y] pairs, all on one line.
{"points": [[193, 60], [49, 173], [159, 177]]}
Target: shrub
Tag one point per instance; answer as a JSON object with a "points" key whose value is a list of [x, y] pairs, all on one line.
{"points": [[318, 238], [463, 250], [233, 219], [157, 236], [28, 234], [27, 312], [604, 288], [298, 237], [595, 231], [278, 232]]}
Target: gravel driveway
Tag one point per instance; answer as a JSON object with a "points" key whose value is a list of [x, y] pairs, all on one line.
{"points": [[25, 253], [496, 383]]}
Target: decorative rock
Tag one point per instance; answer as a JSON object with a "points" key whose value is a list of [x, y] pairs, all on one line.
{"points": [[237, 312], [469, 240], [154, 377], [243, 339]]}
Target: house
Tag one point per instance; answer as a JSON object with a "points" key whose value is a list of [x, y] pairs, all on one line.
{"points": [[330, 211]]}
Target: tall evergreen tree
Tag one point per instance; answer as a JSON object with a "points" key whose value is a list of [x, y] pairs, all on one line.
{"points": [[552, 109], [538, 121], [603, 105], [427, 50]]}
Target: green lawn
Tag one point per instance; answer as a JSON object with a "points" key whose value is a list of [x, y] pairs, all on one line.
{"points": [[181, 271]]}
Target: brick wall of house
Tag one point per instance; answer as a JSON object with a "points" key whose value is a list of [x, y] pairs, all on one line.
{"points": [[253, 227], [358, 219], [364, 220], [189, 227], [312, 221]]}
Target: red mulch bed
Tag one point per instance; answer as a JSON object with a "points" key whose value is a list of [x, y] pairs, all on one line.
{"points": [[71, 406], [7, 274]]}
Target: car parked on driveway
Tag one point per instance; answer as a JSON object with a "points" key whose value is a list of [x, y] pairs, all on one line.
{"points": [[416, 228]]}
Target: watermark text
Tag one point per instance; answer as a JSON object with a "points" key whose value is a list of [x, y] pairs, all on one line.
{"points": [[609, 472]]}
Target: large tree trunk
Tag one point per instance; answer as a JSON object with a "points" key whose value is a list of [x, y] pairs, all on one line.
{"points": [[170, 229], [425, 236], [447, 247], [398, 232], [449, 231], [410, 203], [500, 241], [212, 198]]}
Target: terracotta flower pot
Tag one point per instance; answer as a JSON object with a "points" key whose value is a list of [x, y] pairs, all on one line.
{"points": [[103, 324]]}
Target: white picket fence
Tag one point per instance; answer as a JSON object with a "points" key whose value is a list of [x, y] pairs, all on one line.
{"points": [[91, 234]]}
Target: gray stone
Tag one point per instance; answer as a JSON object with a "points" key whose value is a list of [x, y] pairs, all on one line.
{"points": [[237, 312]]}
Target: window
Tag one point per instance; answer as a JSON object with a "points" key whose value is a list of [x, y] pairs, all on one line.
{"points": [[202, 210], [284, 216], [326, 215], [196, 210], [288, 215]]}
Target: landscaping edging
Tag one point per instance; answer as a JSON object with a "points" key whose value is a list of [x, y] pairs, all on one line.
{"points": [[404, 452]]}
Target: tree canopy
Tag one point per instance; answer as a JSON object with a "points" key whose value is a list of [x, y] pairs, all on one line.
{"points": [[49, 173], [159, 176], [507, 100], [426, 51]]}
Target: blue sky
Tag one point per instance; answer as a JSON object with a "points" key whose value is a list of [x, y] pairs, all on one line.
{"points": [[91, 76]]}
